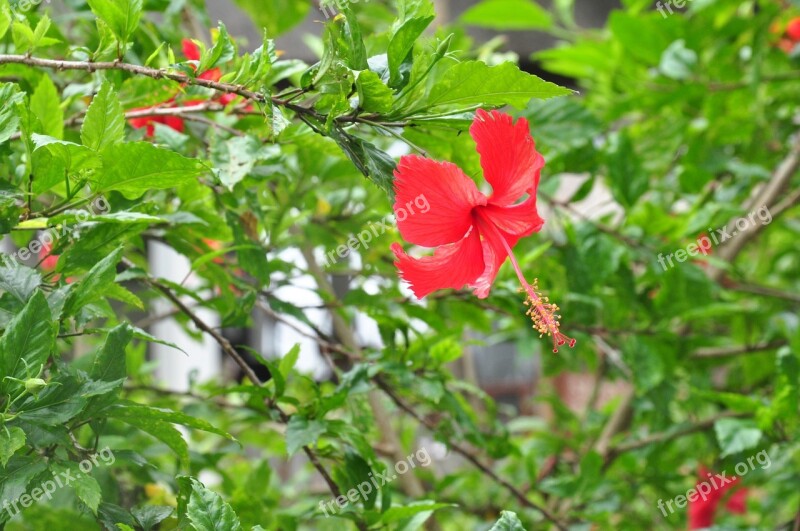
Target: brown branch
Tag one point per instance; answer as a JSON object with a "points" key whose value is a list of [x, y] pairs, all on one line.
{"points": [[764, 291], [658, 438], [469, 456], [767, 196], [228, 349], [735, 350], [154, 73]]}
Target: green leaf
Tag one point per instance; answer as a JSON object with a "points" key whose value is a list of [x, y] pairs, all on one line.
{"points": [[46, 105], [135, 168], [61, 400], [5, 19], [105, 120], [122, 16], [401, 45], [55, 160], [11, 201], [149, 516], [736, 435], [9, 119], [302, 432], [446, 350], [507, 15], [373, 95], [15, 478], [131, 410], [509, 521], [473, 83], [371, 161], [235, 158], [397, 514], [11, 440], [223, 51], [19, 280], [28, 341], [85, 486], [92, 287], [276, 16], [23, 36], [626, 175], [289, 360], [678, 61], [163, 431], [115, 517], [209, 512], [109, 364]]}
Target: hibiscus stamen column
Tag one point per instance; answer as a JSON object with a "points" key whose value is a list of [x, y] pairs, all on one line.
{"points": [[541, 311]]}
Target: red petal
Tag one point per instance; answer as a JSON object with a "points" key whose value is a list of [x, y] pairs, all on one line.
{"points": [[190, 50], [433, 201], [174, 122], [451, 266], [509, 158], [520, 220], [227, 98], [737, 503], [493, 258], [212, 75], [138, 123], [793, 29]]}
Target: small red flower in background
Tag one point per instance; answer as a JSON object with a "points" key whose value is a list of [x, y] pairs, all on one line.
{"points": [[793, 30], [48, 261], [702, 512], [192, 52], [790, 37], [474, 234]]}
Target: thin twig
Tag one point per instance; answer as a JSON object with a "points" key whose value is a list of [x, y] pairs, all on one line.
{"points": [[469, 456]]}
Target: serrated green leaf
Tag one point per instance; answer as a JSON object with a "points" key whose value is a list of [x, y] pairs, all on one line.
{"points": [[105, 120], [28, 341], [209, 512], [473, 83], [373, 95], [92, 287], [109, 363], [46, 105], [122, 16], [289, 360], [509, 521], [302, 432], [736, 435], [11, 440], [507, 15], [9, 118], [130, 410], [135, 168]]}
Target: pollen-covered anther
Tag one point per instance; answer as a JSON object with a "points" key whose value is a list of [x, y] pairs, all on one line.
{"points": [[544, 316]]}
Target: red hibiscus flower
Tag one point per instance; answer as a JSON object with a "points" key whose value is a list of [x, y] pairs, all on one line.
{"points": [[192, 52], [788, 38], [48, 260], [793, 30], [702, 512], [474, 234]]}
